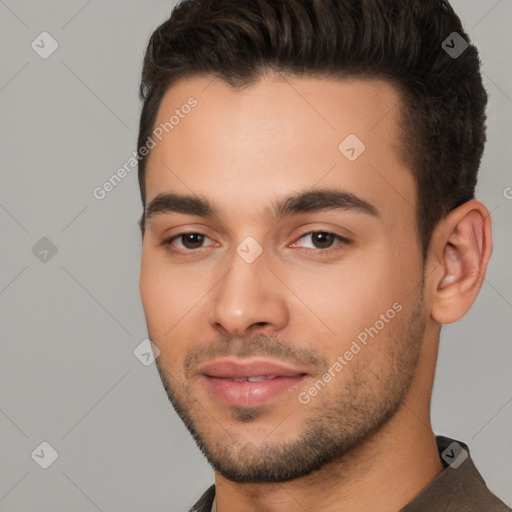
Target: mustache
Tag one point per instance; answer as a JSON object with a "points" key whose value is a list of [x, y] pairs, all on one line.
{"points": [[258, 345]]}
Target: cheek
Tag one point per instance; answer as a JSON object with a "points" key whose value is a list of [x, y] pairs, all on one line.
{"points": [[168, 294], [339, 302], [170, 299]]}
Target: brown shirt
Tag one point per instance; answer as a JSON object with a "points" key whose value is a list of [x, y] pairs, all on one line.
{"points": [[459, 488]]}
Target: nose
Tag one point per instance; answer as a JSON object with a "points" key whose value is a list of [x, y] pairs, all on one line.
{"points": [[249, 298]]}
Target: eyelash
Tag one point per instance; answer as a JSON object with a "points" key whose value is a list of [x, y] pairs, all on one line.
{"points": [[343, 241]]}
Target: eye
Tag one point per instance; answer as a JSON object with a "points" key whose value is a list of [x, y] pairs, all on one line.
{"points": [[323, 241], [189, 242]]}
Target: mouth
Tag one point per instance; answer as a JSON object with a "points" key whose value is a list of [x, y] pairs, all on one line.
{"points": [[250, 383], [254, 379]]}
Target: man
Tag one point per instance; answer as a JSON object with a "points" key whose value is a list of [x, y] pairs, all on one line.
{"points": [[307, 171]]}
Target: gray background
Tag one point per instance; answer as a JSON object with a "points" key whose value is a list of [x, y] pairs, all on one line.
{"points": [[70, 325]]}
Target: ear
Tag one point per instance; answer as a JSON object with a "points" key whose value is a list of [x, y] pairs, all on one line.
{"points": [[459, 252]]}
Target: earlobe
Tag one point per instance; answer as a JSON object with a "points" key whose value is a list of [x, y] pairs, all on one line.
{"points": [[463, 242]]}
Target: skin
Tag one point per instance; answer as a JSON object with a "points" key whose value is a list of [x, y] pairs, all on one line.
{"points": [[243, 149]]}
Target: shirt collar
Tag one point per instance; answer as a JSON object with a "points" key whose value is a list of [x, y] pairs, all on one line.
{"points": [[459, 486]]}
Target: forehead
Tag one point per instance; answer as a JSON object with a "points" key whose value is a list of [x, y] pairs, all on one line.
{"points": [[245, 147]]}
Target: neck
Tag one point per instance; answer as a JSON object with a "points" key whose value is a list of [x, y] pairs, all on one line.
{"points": [[384, 473]]}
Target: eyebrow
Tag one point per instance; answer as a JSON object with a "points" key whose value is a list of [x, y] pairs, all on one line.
{"points": [[300, 202]]}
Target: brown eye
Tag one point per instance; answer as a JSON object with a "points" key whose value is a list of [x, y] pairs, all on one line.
{"points": [[184, 243], [192, 240], [322, 239], [322, 242]]}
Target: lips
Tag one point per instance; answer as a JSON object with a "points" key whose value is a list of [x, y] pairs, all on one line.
{"points": [[232, 368], [250, 383]]}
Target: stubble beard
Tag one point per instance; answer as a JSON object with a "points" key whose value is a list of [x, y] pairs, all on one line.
{"points": [[332, 427]]}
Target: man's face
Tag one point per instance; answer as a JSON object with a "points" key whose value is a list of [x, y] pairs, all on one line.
{"points": [[323, 299]]}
